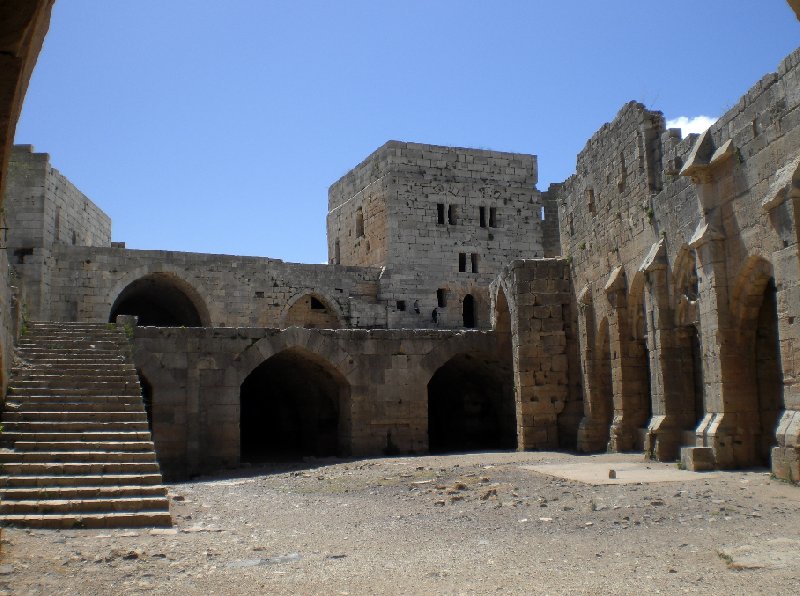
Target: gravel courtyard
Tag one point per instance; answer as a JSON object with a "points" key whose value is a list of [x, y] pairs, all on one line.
{"points": [[457, 524]]}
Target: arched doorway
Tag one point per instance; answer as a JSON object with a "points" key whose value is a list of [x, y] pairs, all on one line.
{"points": [[312, 312], [468, 311], [291, 406], [161, 300], [471, 405], [769, 374]]}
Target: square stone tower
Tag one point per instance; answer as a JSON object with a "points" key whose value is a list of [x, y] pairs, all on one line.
{"points": [[442, 221]]}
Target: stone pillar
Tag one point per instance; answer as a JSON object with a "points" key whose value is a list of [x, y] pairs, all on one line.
{"points": [[538, 293], [731, 424], [662, 440]]}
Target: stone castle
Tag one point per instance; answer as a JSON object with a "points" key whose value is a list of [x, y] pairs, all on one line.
{"points": [[648, 303]]}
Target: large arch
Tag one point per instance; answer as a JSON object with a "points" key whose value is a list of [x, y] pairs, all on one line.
{"points": [[161, 299], [471, 405], [312, 311], [688, 335], [755, 311], [294, 404]]}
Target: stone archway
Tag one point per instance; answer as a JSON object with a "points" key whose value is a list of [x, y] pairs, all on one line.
{"points": [[292, 405], [161, 300], [471, 405], [312, 311]]}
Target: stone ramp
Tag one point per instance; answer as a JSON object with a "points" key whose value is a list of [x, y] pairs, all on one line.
{"points": [[77, 451]]}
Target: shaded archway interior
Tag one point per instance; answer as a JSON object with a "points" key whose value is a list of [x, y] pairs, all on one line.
{"points": [[471, 405], [769, 374], [290, 407], [147, 397], [312, 312], [158, 300]]}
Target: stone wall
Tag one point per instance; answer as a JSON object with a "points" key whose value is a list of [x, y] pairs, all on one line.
{"points": [[43, 209], [196, 376], [678, 248], [226, 290]]}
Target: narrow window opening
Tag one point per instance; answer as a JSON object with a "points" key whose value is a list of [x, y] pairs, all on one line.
{"points": [[462, 262], [468, 311], [541, 213], [492, 217], [452, 215], [440, 213], [337, 252], [401, 305], [441, 297], [482, 212], [316, 304], [359, 222], [589, 198], [474, 259]]}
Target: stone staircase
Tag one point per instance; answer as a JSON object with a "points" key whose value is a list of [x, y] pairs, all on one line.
{"points": [[77, 452]]}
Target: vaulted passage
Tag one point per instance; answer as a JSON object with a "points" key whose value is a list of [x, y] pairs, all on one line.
{"points": [[471, 406], [160, 300], [769, 376], [291, 407]]}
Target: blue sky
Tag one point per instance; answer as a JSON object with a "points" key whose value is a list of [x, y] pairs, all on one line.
{"points": [[218, 126]]}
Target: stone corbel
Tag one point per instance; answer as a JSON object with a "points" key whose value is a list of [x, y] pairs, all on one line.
{"points": [[787, 182], [704, 157], [705, 233], [656, 258]]}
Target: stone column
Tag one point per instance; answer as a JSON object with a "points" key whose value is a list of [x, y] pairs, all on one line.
{"points": [[663, 434]]}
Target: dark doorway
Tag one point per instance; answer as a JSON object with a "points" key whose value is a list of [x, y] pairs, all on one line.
{"points": [[769, 374], [290, 408], [697, 375], [471, 406], [147, 398], [468, 311], [159, 300]]}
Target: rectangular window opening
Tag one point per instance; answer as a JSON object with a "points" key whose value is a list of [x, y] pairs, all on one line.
{"points": [[441, 297], [462, 262], [440, 213], [482, 213], [589, 199], [492, 217], [474, 258], [401, 305], [452, 215]]}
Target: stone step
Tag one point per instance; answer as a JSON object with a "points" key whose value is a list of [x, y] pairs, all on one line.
{"points": [[64, 400], [131, 391], [109, 386], [79, 468], [76, 406], [60, 376], [74, 426], [69, 457], [90, 436], [139, 519], [80, 480], [89, 505], [83, 492], [133, 446], [67, 416]]}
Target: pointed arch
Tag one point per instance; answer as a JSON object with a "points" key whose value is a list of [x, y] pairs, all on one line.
{"points": [[312, 310]]}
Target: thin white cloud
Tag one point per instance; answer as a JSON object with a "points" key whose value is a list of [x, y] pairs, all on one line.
{"points": [[695, 124]]}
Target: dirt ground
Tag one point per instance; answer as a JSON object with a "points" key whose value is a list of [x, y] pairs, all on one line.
{"points": [[458, 524]]}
